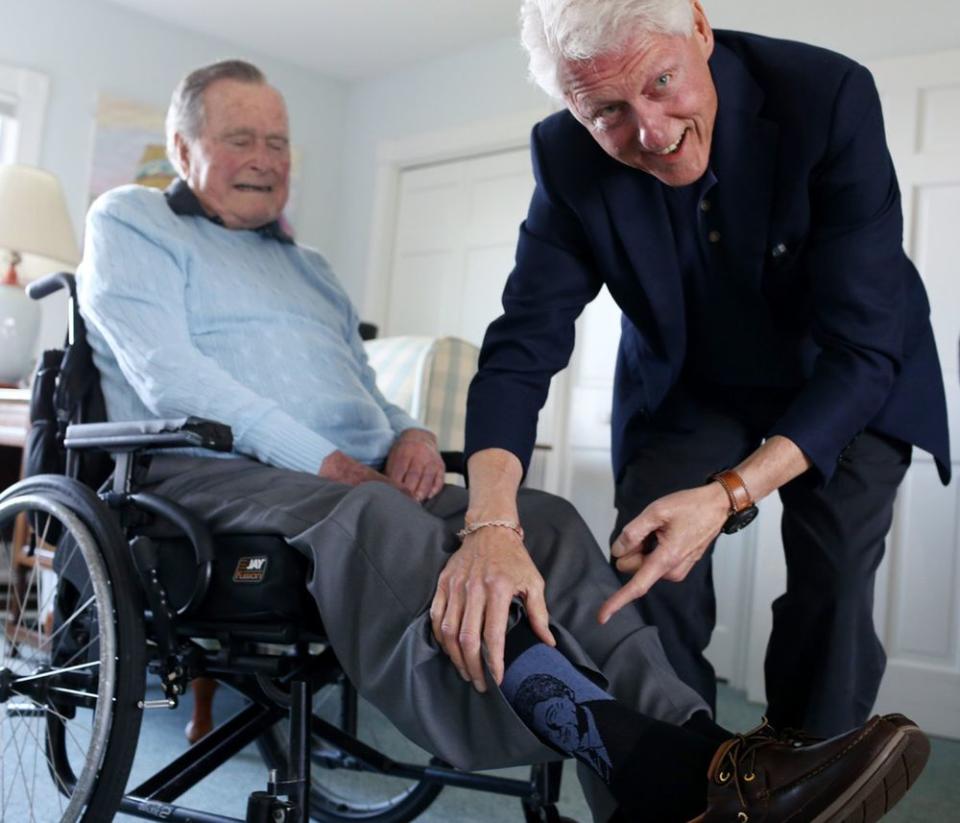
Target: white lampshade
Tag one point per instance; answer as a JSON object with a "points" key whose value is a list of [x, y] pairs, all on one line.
{"points": [[34, 221], [36, 233]]}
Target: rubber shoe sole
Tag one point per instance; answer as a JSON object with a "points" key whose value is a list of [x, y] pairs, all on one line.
{"points": [[879, 788]]}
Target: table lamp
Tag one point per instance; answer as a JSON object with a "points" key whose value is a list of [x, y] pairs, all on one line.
{"points": [[36, 238]]}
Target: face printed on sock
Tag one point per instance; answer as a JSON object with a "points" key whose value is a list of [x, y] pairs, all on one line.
{"points": [[558, 716], [570, 727]]}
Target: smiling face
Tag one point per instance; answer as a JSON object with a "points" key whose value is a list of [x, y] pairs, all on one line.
{"points": [[652, 104], [239, 166]]}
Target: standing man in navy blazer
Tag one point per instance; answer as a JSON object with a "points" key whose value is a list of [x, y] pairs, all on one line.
{"points": [[736, 196]]}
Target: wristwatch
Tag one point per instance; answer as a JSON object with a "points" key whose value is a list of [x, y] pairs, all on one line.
{"points": [[742, 508]]}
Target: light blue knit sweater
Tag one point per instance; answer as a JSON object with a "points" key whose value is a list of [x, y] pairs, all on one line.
{"points": [[189, 318]]}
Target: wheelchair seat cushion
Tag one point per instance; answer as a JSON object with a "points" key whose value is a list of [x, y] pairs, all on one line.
{"points": [[255, 578]]}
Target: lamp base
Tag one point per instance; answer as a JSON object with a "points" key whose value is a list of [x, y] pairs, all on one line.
{"points": [[19, 323]]}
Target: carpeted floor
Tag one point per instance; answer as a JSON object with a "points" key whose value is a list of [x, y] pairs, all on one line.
{"points": [[936, 797]]}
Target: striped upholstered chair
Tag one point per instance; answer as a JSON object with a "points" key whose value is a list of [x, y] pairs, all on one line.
{"points": [[428, 377]]}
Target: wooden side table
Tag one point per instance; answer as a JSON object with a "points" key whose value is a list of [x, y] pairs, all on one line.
{"points": [[14, 425], [14, 417]]}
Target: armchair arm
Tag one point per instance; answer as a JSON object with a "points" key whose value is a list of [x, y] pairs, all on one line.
{"points": [[453, 462], [128, 436]]}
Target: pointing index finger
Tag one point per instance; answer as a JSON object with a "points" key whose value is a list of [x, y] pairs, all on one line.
{"points": [[637, 586]]}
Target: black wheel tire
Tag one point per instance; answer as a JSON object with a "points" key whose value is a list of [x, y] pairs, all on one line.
{"points": [[103, 554]]}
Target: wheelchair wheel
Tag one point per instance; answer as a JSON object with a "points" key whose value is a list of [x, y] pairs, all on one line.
{"points": [[71, 654], [342, 791]]}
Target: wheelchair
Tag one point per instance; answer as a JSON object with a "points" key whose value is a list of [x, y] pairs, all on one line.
{"points": [[106, 588]]}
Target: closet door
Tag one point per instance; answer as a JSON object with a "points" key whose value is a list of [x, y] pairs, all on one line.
{"points": [[454, 241]]}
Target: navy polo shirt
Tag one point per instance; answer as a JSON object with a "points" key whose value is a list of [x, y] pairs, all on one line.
{"points": [[732, 336]]}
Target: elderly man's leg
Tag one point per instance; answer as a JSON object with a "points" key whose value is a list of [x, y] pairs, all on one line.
{"points": [[644, 763], [392, 553], [626, 650], [377, 556]]}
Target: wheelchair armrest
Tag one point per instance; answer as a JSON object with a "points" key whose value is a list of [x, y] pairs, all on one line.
{"points": [[191, 432]]}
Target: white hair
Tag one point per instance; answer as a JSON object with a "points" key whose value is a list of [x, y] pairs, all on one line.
{"points": [[185, 115], [555, 31]]}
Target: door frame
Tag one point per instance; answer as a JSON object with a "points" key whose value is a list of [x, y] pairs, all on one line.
{"points": [[393, 157], [29, 91]]}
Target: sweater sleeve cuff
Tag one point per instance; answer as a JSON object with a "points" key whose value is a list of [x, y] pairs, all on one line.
{"points": [[278, 440], [401, 421]]}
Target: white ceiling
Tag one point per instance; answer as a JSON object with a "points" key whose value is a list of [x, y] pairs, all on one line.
{"points": [[355, 39]]}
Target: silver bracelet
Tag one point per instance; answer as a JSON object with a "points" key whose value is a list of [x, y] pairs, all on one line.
{"points": [[470, 528]]}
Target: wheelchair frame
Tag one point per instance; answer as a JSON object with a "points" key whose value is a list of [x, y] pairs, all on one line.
{"points": [[177, 659]]}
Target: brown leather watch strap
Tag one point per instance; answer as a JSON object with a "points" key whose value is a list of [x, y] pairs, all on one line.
{"points": [[736, 490]]}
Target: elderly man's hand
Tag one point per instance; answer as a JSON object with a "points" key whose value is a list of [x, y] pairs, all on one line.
{"points": [[415, 464], [665, 541], [471, 607], [342, 468]]}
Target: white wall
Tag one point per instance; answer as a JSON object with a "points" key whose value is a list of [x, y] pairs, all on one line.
{"points": [[484, 83], [489, 81], [87, 47]]}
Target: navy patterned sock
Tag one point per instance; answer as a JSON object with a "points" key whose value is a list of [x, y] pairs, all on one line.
{"points": [[652, 768]]}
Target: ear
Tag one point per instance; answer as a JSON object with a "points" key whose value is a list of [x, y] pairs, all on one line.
{"points": [[183, 153], [702, 31]]}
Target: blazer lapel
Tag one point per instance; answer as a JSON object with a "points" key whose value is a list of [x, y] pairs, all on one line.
{"points": [[638, 214], [743, 157]]}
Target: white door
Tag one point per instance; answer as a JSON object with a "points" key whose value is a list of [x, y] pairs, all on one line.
{"points": [[454, 242]]}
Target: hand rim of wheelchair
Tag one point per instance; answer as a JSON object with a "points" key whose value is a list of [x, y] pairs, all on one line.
{"points": [[91, 791]]}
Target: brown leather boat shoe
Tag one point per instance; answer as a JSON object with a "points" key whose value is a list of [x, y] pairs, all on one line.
{"points": [[760, 777]]}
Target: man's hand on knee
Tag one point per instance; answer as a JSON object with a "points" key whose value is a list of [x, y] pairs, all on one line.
{"points": [[341, 468], [415, 463], [471, 607]]}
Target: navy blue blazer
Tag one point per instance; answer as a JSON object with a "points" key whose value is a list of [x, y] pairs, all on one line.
{"points": [[802, 163]]}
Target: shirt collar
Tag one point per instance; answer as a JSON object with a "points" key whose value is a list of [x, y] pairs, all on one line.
{"points": [[182, 201], [694, 191]]}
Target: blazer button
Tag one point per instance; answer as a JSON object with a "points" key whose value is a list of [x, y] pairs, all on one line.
{"points": [[714, 236], [779, 250]]}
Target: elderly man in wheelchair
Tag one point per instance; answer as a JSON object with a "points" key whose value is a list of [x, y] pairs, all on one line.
{"points": [[305, 545]]}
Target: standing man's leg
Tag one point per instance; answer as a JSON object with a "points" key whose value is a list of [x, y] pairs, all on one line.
{"points": [[685, 612], [824, 661]]}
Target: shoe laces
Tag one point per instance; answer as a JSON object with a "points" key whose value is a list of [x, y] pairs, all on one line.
{"points": [[738, 763]]}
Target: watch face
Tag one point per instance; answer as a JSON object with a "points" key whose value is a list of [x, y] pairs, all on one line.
{"points": [[740, 519]]}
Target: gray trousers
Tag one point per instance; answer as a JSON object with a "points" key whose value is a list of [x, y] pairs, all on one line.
{"points": [[376, 558]]}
